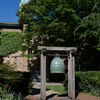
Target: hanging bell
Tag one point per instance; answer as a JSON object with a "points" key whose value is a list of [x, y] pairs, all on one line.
{"points": [[57, 65]]}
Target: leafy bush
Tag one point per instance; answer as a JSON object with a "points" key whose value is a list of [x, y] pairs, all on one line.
{"points": [[24, 85], [12, 81], [11, 96], [86, 82], [8, 77]]}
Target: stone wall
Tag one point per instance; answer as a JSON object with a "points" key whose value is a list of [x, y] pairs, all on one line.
{"points": [[19, 62], [10, 30]]}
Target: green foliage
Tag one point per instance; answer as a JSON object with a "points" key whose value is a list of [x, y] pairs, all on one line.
{"points": [[24, 85], [63, 23], [87, 38], [96, 7], [1, 92], [54, 25], [8, 77], [11, 96], [12, 81], [88, 82], [10, 42], [79, 7], [90, 26], [30, 86]]}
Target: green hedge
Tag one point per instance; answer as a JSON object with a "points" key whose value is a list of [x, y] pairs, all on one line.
{"points": [[88, 82]]}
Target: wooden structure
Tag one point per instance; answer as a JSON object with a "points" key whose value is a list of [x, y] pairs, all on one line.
{"points": [[71, 69]]}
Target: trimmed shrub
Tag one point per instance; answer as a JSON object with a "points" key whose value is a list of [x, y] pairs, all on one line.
{"points": [[88, 82]]}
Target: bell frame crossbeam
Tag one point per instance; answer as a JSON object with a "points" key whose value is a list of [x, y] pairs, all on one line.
{"points": [[71, 69]]}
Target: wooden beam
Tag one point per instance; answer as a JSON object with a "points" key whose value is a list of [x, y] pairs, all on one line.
{"points": [[57, 48], [43, 76]]}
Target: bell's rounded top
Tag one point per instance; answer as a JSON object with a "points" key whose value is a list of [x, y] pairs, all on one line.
{"points": [[57, 65], [57, 60]]}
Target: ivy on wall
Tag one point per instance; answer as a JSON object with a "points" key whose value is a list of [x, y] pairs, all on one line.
{"points": [[10, 42]]}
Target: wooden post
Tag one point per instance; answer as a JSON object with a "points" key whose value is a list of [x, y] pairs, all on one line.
{"points": [[71, 76], [43, 76]]}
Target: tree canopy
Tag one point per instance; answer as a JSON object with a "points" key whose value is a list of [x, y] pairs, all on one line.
{"points": [[52, 21], [63, 23], [87, 37]]}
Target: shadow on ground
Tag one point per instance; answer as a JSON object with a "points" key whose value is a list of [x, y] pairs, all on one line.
{"points": [[35, 91], [53, 95]]}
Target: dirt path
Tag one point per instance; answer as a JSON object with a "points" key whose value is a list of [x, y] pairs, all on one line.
{"points": [[87, 97], [52, 95], [80, 97]]}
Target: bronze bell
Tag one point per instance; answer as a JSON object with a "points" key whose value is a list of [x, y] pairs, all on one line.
{"points": [[57, 65]]}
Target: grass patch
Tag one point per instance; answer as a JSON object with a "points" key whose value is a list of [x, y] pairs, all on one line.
{"points": [[57, 88]]}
